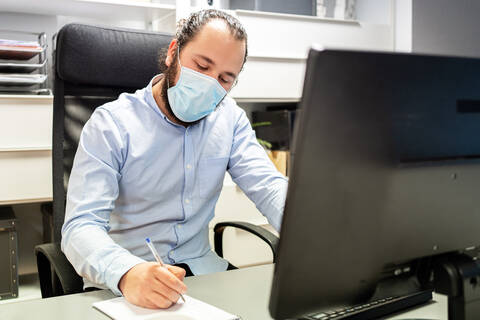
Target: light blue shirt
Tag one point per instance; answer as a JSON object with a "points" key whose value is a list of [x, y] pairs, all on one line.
{"points": [[137, 175]]}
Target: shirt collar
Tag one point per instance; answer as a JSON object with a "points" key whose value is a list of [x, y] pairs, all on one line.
{"points": [[151, 100]]}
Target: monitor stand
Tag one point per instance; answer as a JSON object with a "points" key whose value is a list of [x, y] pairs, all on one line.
{"points": [[458, 277], [398, 286]]}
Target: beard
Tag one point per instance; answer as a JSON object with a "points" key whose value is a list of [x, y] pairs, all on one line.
{"points": [[170, 75]]}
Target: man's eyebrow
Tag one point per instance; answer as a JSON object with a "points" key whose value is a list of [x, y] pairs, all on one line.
{"points": [[231, 74], [207, 59], [210, 61]]}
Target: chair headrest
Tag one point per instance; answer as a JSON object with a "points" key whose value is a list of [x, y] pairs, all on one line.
{"points": [[108, 57]]}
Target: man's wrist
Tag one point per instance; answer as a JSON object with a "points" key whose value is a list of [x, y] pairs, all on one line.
{"points": [[123, 280], [121, 269]]}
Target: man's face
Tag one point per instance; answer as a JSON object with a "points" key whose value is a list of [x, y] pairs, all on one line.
{"points": [[213, 52]]}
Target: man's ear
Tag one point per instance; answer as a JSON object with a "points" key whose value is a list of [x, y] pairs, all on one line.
{"points": [[171, 52]]}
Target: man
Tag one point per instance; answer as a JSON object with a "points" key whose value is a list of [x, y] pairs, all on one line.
{"points": [[152, 163]]}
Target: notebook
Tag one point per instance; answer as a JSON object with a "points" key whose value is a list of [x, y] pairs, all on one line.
{"points": [[191, 309]]}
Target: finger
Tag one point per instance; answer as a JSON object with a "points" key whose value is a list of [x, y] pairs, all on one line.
{"points": [[177, 271], [147, 304], [157, 300], [170, 280], [167, 292]]}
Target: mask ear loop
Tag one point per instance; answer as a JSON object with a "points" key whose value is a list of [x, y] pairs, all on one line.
{"points": [[178, 58], [178, 55]]}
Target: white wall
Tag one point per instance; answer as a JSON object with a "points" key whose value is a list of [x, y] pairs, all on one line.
{"points": [[402, 18], [446, 27], [374, 11]]}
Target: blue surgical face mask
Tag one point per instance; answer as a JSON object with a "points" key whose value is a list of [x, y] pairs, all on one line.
{"points": [[195, 95]]}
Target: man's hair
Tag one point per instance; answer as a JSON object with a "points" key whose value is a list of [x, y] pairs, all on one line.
{"points": [[188, 28]]}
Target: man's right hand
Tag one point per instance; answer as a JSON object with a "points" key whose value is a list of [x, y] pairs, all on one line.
{"points": [[150, 285]]}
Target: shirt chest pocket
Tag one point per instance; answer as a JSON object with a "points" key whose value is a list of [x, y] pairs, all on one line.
{"points": [[211, 172]]}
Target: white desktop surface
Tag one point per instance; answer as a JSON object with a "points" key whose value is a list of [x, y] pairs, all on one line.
{"points": [[244, 292]]}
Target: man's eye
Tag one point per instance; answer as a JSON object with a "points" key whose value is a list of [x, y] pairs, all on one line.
{"points": [[201, 67], [224, 80]]}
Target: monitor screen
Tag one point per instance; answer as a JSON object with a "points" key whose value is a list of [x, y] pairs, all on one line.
{"points": [[385, 173]]}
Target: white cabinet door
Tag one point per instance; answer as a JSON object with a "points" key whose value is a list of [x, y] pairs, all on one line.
{"points": [[25, 122], [270, 78], [25, 176], [25, 148]]}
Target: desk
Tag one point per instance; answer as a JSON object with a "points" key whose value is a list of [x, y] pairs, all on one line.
{"points": [[244, 292]]}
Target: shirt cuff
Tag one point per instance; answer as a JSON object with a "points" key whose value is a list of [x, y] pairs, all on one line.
{"points": [[122, 265], [274, 209]]}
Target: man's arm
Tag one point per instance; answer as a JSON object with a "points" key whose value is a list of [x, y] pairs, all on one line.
{"points": [[255, 174], [92, 191]]}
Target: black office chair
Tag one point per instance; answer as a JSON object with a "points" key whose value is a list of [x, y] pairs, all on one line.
{"points": [[92, 66]]}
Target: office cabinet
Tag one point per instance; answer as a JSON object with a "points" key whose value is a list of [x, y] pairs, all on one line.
{"points": [[270, 79], [25, 176], [25, 148], [8, 254], [25, 122]]}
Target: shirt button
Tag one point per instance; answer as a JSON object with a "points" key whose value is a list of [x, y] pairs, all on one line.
{"points": [[187, 201], [179, 226], [189, 166]]}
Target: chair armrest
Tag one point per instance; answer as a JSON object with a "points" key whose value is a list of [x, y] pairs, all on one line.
{"points": [[262, 233], [57, 276]]}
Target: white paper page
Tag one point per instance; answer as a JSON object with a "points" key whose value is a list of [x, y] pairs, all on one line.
{"points": [[191, 309]]}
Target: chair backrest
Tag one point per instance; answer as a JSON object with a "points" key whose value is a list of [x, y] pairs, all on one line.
{"points": [[92, 66]]}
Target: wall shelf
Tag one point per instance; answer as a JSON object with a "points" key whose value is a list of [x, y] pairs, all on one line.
{"points": [[122, 10], [266, 100], [26, 148], [273, 15]]}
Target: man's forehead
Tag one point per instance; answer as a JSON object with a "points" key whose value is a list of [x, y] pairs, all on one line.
{"points": [[215, 28], [218, 25]]}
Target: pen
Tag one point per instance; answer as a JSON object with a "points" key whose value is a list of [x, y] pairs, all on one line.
{"points": [[157, 257]]}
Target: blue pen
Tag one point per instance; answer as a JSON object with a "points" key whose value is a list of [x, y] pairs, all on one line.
{"points": [[157, 257]]}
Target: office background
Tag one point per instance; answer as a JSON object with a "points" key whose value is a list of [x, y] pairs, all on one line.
{"points": [[273, 75]]}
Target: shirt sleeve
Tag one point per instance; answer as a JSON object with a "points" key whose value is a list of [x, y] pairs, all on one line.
{"points": [[92, 191], [255, 174]]}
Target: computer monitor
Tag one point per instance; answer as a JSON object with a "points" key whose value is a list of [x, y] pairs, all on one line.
{"points": [[385, 177]]}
